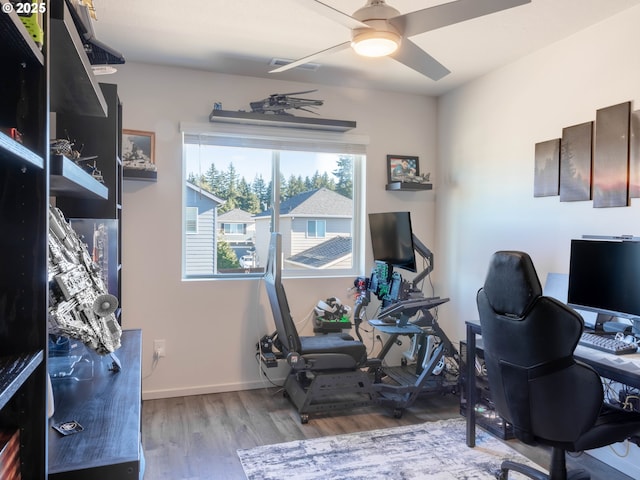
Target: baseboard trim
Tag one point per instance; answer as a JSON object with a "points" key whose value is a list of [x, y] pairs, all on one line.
{"points": [[206, 389]]}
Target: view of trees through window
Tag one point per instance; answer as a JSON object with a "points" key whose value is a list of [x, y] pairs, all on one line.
{"points": [[231, 188]]}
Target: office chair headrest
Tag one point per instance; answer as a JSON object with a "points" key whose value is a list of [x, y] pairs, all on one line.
{"points": [[512, 283]]}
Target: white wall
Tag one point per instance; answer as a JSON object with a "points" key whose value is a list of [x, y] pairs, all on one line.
{"points": [[486, 136], [487, 133], [211, 327]]}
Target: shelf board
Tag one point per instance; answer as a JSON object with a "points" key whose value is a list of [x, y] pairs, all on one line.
{"points": [[408, 186], [69, 179], [15, 39], [17, 152], [139, 175], [274, 120], [14, 371], [74, 88]]}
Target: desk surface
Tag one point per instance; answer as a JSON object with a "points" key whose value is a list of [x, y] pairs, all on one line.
{"points": [[622, 368], [109, 408]]}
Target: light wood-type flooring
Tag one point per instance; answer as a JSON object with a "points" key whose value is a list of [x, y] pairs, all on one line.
{"points": [[196, 437]]}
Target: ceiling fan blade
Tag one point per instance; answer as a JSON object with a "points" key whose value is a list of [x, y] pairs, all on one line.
{"points": [[440, 16], [414, 57], [308, 58], [335, 15]]}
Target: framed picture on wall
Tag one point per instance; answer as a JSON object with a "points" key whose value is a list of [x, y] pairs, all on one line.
{"points": [[138, 150], [402, 168]]}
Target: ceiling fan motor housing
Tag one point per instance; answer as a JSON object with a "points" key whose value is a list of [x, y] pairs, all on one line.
{"points": [[376, 14]]}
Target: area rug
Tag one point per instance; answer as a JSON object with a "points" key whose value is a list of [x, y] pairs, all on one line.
{"points": [[429, 451]]}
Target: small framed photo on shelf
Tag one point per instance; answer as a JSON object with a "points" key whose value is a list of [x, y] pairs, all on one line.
{"points": [[138, 150], [402, 168]]}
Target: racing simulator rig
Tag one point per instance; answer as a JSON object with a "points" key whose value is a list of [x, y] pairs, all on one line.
{"points": [[332, 371]]}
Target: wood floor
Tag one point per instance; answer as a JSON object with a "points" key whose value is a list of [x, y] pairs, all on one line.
{"points": [[196, 437]]}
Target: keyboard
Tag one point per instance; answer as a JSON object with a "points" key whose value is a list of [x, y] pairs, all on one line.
{"points": [[607, 344]]}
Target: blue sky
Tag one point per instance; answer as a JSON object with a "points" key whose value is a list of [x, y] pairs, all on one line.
{"points": [[250, 162]]}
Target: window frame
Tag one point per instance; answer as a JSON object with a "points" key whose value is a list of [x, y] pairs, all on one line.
{"points": [[244, 135]]}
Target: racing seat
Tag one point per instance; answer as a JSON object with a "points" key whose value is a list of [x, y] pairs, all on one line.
{"points": [[326, 370], [537, 385]]}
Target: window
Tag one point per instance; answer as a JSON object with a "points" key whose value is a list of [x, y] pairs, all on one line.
{"points": [[252, 181], [234, 228], [191, 220], [316, 228]]}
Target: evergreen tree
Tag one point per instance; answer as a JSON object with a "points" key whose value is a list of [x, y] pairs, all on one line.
{"points": [[295, 185], [315, 181], [344, 174], [213, 179], [327, 182], [247, 200], [230, 189], [262, 192], [226, 256]]}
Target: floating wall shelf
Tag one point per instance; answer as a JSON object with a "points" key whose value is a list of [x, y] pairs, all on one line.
{"points": [[73, 84], [278, 120], [407, 186], [71, 180], [139, 175]]}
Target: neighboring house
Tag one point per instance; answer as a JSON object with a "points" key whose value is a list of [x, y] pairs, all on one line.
{"points": [[307, 221], [238, 228], [200, 239]]}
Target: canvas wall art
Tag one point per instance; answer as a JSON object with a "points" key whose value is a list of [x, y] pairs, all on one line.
{"points": [[611, 156], [575, 162], [546, 179]]}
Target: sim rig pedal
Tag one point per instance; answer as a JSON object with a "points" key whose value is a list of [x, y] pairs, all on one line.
{"points": [[265, 347]]}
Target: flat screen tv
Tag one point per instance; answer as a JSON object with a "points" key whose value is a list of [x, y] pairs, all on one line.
{"points": [[604, 277], [392, 239]]}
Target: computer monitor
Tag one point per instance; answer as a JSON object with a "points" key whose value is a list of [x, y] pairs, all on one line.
{"points": [[557, 286], [392, 239], [604, 277]]}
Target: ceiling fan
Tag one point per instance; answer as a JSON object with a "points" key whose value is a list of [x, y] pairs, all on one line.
{"points": [[379, 30]]}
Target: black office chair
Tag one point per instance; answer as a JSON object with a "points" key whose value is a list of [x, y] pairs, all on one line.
{"points": [[550, 398], [326, 370]]}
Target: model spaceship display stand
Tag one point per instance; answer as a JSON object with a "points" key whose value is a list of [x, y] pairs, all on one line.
{"points": [[79, 305]]}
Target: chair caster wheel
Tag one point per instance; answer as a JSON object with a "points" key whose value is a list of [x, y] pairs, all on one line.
{"points": [[285, 394], [304, 418], [397, 413]]}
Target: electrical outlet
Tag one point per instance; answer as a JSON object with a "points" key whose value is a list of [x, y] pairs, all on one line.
{"points": [[159, 348]]}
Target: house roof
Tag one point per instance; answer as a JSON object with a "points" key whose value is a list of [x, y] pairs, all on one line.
{"points": [[237, 215], [205, 193], [323, 254], [320, 202]]}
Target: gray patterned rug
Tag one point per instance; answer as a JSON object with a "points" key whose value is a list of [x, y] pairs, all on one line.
{"points": [[428, 451]]}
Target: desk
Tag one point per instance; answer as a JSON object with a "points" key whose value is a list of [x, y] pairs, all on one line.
{"points": [[108, 407], [620, 368]]}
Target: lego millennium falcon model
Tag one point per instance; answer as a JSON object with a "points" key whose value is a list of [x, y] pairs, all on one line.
{"points": [[79, 305]]}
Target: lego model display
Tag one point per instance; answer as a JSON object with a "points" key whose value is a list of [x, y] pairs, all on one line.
{"points": [[64, 147], [79, 305], [279, 103]]}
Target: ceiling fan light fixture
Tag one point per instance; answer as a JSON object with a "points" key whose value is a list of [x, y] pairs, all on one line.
{"points": [[375, 43]]}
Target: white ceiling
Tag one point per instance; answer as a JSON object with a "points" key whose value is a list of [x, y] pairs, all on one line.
{"points": [[242, 36]]}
